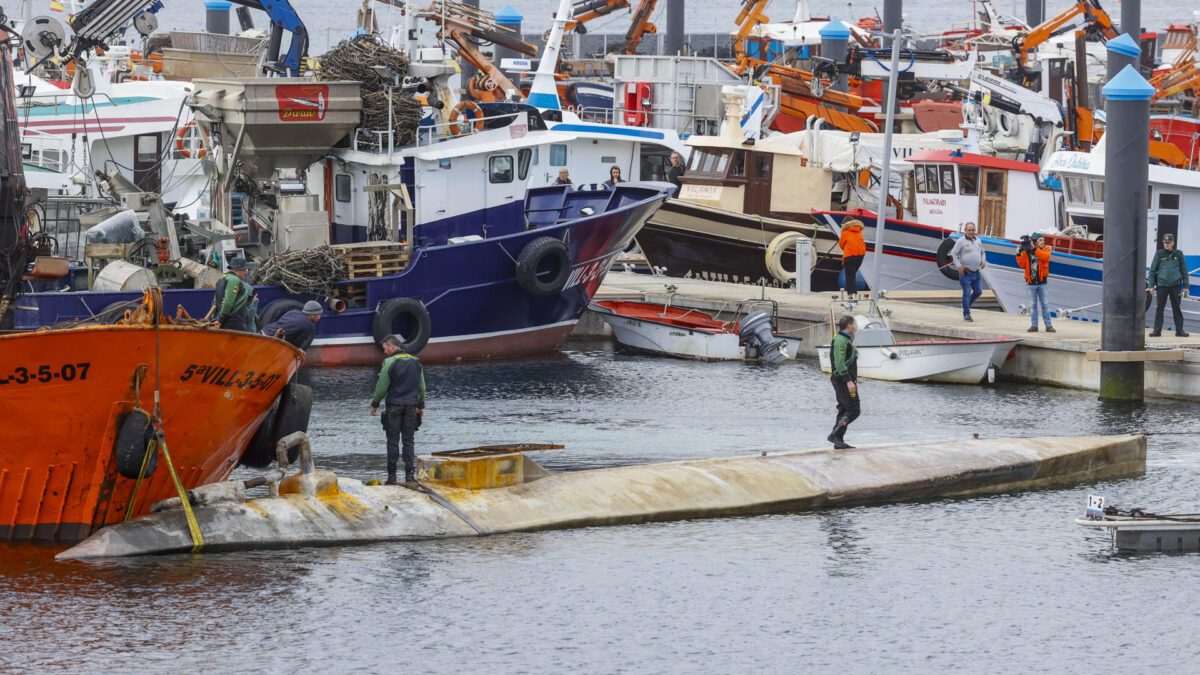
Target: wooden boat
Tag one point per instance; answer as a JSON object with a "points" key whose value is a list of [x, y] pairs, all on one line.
{"points": [[65, 394], [688, 333], [881, 357]]}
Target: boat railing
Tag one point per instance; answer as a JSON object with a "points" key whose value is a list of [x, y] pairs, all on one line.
{"points": [[43, 150], [384, 141], [36, 100], [683, 123]]}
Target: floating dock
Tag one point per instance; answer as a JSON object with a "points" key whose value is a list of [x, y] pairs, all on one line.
{"points": [[495, 492], [1067, 358]]}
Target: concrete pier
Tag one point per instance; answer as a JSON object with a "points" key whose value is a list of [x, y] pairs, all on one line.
{"points": [[317, 509], [1059, 359]]}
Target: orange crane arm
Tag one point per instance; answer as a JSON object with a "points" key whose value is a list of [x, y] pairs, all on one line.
{"points": [[476, 58], [1096, 17], [1181, 80], [641, 25], [750, 16], [797, 82], [588, 10]]}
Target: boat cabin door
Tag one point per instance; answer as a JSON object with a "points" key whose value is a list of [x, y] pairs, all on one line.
{"points": [[757, 200], [992, 202], [147, 149]]}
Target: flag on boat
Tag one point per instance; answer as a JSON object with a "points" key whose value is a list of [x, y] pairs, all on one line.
{"points": [[56, 6]]}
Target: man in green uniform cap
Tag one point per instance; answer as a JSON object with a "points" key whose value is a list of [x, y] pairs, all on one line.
{"points": [[1168, 275], [845, 381], [402, 384], [232, 299]]}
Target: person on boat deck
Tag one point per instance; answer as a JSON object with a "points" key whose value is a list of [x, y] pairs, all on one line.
{"points": [[614, 176], [564, 177], [845, 381], [1168, 274], [853, 249], [297, 326], [232, 299], [1037, 273], [967, 256], [675, 171], [401, 384]]}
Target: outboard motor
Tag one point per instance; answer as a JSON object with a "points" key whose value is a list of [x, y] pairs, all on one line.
{"points": [[755, 329]]}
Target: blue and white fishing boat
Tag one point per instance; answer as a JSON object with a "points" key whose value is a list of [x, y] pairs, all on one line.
{"points": [[470, 250]]}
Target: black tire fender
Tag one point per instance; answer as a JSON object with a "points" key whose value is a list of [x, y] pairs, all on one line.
{"points": [[289, 414], [272, 312], [260, 451], [109, 315], [944, 263], [544, 266], [414, 311], [133, 435]]}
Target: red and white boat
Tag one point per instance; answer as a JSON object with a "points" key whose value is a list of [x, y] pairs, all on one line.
{"points": [[692, 334]]}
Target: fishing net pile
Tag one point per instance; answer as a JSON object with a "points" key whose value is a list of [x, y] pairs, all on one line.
{"points": [[312, 271], [352, 60]]}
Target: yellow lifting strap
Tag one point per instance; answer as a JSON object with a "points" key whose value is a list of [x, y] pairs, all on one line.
{"points": [[137, 487], [193, 526]]}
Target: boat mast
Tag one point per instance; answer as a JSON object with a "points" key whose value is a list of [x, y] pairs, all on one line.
{"points": [[885, 176]]}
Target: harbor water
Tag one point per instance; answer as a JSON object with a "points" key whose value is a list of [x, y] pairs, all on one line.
{"points": [[1002, 583]]}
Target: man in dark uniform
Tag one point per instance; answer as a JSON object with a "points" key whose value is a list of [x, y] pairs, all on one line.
{"points": [[402, 384], [297, 326], [1168, 277], [845, 381], [675, 171], [232, 298]]}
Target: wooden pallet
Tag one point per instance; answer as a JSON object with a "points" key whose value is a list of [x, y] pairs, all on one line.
{"points": [[370, 259], [355, 295]]}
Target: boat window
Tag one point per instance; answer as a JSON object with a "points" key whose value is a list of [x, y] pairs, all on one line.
{"points": [[500, 169], [931, 180], [738, 168], [694, 161], [968, 180], [993, 183], [762, 164], [1074, 188], [947, 179], [1168, 201], [524, 157], [919, 178], [558, 155], [341, 184], [147, 148], [707, 161], [1097, 191], [722, 162]]}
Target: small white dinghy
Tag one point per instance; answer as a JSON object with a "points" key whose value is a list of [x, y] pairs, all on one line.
{"points": [[880, 357], [692, 334]]}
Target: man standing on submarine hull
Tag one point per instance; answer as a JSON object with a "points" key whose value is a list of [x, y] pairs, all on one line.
{"points": [[402, 384], [845, 381]]}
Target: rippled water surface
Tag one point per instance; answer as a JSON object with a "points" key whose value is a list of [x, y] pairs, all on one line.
{"points": [[1002, 583]]}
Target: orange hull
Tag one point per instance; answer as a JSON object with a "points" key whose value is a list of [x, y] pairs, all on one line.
{"points": [[63, 394]]}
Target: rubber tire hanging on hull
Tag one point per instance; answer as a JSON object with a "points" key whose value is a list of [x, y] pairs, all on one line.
{"points": [[944, 263], [531, 259], [109, 316], [273, 311], [391, 310], [135, 433], [290, 414]]}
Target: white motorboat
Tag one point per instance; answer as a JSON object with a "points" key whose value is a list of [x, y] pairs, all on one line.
{"points": [[692, 334], [880, 357]]}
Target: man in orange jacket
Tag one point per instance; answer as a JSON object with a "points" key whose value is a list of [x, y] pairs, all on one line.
{"points": [[853, 250], [1034, 258]]}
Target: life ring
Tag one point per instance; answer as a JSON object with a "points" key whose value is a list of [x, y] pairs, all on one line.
{"points": [[544, 266], [181, 147], [413, 312], [130, 447], [868, 23], [774, 257], [289, 414], [273, 311], [944, 263], [464, 108]]}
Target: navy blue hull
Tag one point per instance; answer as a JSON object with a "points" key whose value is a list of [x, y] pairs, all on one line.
{"points": [[476, 306]]}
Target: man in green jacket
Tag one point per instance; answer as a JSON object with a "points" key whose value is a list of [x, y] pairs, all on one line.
{"points": [[232, 299], [1168, 275], [845, 381], [402, 384]]}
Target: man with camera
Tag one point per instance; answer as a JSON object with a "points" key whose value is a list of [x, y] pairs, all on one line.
{"points": [[1168, 279], [1033, 255]]}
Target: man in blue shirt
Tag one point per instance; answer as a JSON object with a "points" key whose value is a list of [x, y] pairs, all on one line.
{"points": [[297, 326]]}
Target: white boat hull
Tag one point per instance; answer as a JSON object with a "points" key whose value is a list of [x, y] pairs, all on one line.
{"points": [[686, 343], [958, 362]]}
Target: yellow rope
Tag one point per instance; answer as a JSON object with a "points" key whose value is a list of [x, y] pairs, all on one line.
{"points": [[137, 487], [193, 526]]}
